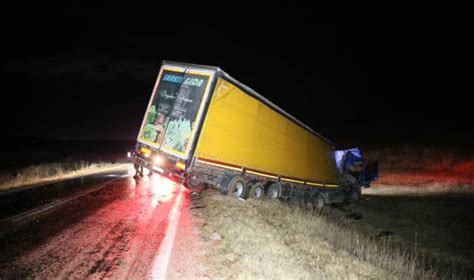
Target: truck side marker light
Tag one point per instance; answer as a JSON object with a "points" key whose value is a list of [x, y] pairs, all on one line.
{"points": [[219, 165]]}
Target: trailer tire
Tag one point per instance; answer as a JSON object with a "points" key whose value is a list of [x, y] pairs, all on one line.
{"points": [[355, 194], [319, 202], [193, 182], [237, 187], [352, 194], [256, 191], [274, 191], [200, 187]]}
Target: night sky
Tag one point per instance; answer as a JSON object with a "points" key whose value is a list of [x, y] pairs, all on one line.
{"points": [[87, 72]]}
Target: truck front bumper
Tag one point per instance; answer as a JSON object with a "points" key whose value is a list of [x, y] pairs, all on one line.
{"points": [[165, 168]]}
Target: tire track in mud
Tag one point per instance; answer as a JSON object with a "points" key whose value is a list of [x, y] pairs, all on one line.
{"points": [[148, 246], [103, 263], [133, 248], [81, 265]]}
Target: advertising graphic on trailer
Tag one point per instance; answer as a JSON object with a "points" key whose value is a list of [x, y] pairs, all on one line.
{"points": [[173, 111]]}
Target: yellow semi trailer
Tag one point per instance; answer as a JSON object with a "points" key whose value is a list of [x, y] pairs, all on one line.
{"points": [[203, 127]]}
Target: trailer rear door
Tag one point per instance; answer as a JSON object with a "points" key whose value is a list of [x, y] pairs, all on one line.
{"points": [[175, 109]]}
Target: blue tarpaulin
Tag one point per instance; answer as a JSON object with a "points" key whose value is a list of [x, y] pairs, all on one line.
{"points": [[351, 156], [348, 160]]}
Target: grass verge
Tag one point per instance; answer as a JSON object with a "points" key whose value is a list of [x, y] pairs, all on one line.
{"points": [[43, 173], [273, 240]]}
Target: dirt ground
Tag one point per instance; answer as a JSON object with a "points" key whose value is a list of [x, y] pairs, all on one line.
{"points": [[436, 221]]}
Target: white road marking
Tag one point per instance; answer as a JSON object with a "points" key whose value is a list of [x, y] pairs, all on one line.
{"points": [[161, 261]]}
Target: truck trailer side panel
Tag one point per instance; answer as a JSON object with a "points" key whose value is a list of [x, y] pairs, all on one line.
{"points": [[241, 130]]}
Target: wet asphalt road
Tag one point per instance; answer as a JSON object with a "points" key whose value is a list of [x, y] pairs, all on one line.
{"points": [[114, 232], [20, 200]]}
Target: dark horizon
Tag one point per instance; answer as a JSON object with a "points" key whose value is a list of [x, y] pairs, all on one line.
{"points": [[89, 76]]}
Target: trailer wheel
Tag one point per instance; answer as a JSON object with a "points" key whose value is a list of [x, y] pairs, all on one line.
{"points": [[352, 194], [319, 202], [274, 191], [193, 182], [355, 194], [200, 187], [256, 191], [237, 187]]}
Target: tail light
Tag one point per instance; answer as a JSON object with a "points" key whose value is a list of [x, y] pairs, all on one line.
{"points": [[181, 165], [146, 152]]}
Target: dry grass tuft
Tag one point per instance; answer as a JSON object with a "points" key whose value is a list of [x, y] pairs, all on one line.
{"points": [[43, 173], [273, 240]]}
